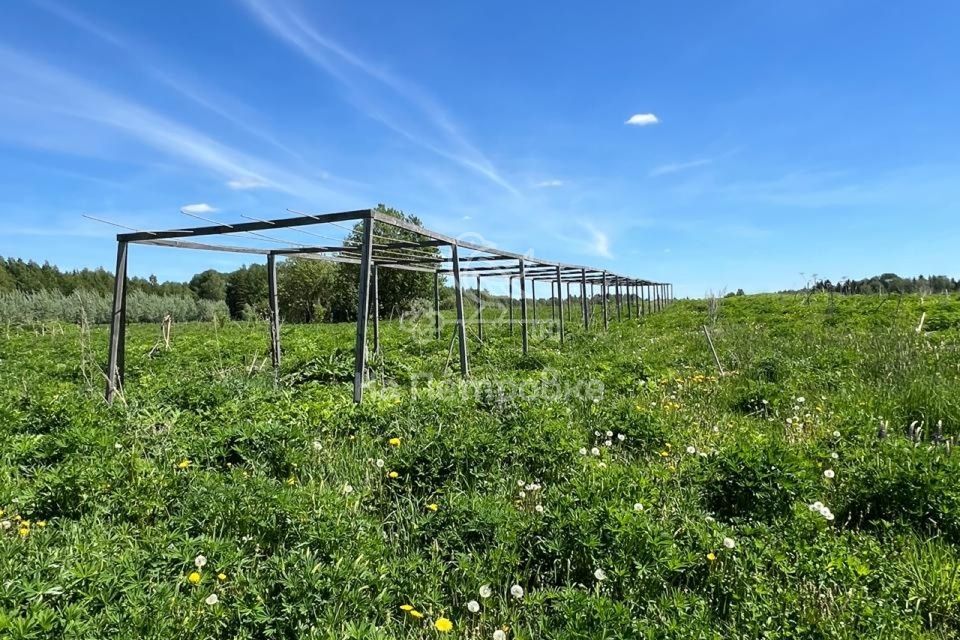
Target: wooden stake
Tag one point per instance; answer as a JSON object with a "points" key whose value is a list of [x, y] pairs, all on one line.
{"points": [[716, 359]]}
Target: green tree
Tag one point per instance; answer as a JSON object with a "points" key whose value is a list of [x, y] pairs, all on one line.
{"points": [[399, 289], [305, 289], [246, 291], [209, 285]]}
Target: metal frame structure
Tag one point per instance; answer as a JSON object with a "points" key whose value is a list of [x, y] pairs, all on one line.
{"points": [[371, 254]]}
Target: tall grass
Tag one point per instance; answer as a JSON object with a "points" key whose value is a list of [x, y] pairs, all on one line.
{"points": [[19, 308]]}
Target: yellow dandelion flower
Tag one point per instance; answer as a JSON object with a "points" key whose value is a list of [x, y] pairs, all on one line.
{"points": [[24, 532], [711, 557], [406, 607], [183, 464], [416, 614], [443, 625], [664, 454], [433, 506], [393, 474], [41, 523], [394, 442], [222, 577], [194, 578]]}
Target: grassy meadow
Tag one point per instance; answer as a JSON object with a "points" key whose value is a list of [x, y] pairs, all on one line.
{"points": [[619, 487]]}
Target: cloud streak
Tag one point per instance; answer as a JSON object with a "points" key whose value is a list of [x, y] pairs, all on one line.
{"points": [[364, 81], [175, 81], [50, 96], [548, 184], [676, 167]]}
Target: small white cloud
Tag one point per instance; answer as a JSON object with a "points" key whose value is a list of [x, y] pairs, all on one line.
{"points": [[548, 184], [197, 208], [246, 182], [643, 119]]}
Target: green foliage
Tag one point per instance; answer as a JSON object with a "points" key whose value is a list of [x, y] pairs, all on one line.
{"points": [[209, 285], [246, 292], [305, 287], [623, 452]]}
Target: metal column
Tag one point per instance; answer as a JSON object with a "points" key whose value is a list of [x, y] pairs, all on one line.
{"points": [[363, 310], [274, 309], [461, 326], [118, 324]]}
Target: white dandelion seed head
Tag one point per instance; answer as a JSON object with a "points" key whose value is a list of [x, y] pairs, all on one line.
{"points": [[516, 591], [595, 451], [600, 575], [520, 483], [5, 524], [609, 434], [212, 599], [486, 591], [473, 606], [829, 474], [835, 455], [522, 494], [621, 437], [828, 516], [200, 561], [836, 434], [348, 488], [824, 511], [801, 400], [118, 446], [729, 543], [317, 445], [538, 508], [608, 443], [691, 450], [380, 463], [637, 506], [583, 451], [499, 634]]}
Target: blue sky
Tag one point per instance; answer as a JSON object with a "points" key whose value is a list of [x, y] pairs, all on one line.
{"points": [[771, 140]]}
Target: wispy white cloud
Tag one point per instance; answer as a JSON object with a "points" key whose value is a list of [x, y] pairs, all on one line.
{"points": [[642, 119], [356, 74], [675, 167], [599, 243], [247, 182], [548, 184], [201, 207], [54, 97], [137, 51]]}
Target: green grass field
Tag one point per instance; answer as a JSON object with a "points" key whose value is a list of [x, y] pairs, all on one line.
{"points": [[625, 486]]}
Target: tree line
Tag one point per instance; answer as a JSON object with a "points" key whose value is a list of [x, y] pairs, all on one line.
{"points": [[887, 283], [309, 290]]}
